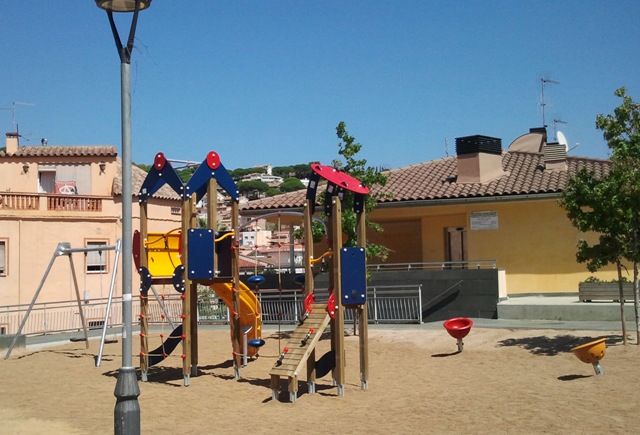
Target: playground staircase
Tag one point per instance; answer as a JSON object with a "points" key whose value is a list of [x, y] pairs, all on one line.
{"points": [[297, 350]]}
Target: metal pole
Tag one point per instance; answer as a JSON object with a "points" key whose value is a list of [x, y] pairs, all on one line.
{"points": [[127, 409], [109, 301], [55, 255], [80, 309]]}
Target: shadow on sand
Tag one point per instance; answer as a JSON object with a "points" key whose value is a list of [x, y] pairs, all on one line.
{"points": [[549, 346]]}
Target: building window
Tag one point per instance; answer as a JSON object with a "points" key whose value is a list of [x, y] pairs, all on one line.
{"points": [[176, 210], [96, 260], [3, 258], [65, 179]]}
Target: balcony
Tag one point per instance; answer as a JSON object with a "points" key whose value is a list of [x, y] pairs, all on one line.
{"points": [[62, 203], [14, 201], [73, 203]]}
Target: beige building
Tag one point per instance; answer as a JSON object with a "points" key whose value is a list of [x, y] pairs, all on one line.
{"points": [[482, 206], [54, 194]]}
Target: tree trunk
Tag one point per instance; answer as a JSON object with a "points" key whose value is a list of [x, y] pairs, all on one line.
{"points": [[636, 300], [622, 317]]}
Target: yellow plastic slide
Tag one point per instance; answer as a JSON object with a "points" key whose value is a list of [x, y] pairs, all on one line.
{"points": [[250, 313]]}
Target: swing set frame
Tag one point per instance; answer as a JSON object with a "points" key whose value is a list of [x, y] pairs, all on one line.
{"points": [[65, 249]]}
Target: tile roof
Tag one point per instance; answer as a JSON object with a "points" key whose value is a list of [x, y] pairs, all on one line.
{"points": [[525, 174], [64, 151], [137, 178]]}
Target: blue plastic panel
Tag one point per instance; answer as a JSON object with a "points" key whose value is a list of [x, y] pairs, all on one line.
{"points": [[200, 250], [354, 276]]}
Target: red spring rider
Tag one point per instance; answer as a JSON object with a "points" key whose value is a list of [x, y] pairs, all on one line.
{"points": [[458, 328]]}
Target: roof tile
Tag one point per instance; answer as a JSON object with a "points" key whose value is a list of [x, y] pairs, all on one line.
{"points": [[525, 174], [64, 151]]}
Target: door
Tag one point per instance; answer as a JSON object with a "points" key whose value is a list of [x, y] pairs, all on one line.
{"points": [[456, 246]]}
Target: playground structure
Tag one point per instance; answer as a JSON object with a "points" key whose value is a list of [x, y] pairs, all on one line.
{"points": [[458, 328], [190, 256], [592, 353], [347, 273]]}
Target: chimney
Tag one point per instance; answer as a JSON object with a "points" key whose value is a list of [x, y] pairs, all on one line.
{"points": [[11, 143], [479, 159], [555, 156]]}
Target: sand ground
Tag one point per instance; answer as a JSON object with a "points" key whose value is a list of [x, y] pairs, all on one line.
{"points": [[504, 381]]}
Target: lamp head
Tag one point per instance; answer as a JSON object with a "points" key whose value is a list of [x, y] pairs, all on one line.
{"points": [[122, 5]]}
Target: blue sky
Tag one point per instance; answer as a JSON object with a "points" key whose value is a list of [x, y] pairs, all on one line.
{"points": [[268, 81]]}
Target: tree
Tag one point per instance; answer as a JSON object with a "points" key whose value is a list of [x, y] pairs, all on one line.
{"points": [[622, 133], [290, 184], [609, 206], [145, 168], [348, 148], [253, 188], [272, 191], [185, 174], [239, 173], [591, 206]]}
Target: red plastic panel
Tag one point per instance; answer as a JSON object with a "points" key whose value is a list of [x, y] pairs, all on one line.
{"points": [[339, 178], [213, 160]]}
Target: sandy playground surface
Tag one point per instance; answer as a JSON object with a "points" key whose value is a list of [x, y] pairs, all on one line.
{"points": [[505, 381]]}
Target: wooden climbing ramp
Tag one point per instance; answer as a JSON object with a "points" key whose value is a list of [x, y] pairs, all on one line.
{"points": [[300, 350]]}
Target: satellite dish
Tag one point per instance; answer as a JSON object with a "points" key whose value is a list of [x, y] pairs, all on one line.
{"points": [[563, 140]]}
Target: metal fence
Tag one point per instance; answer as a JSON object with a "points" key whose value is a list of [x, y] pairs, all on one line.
{"points": [[395, 304], [386, 304], [438, 265]]}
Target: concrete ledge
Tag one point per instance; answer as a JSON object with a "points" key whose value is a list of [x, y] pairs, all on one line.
{"points": [[561, 308], [5, 341]]}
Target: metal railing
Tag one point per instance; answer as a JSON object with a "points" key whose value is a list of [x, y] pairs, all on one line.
{"points": [[395, 304], [436, 265], [386, 304], [53, 317]]}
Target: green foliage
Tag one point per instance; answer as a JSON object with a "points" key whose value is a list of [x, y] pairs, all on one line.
{"points": [[253, 188], [237, 174], [186, 173], [595, 279], [348, 149], [145, 168], [290, 185], [272, 191], [622, 128], [300, 171], [608, 206]]}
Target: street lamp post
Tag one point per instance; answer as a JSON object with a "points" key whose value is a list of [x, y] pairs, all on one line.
{"points": [[127, 409]]}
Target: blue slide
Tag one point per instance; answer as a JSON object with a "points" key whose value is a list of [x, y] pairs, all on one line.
{"points": [[167, 347]]}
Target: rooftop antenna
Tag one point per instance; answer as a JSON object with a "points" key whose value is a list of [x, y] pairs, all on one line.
{"points": [[18, 135], [543, 82], [13, 112], [555, 128]]}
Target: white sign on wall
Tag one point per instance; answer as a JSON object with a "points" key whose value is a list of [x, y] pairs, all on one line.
{"points": [[484, 220]]}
